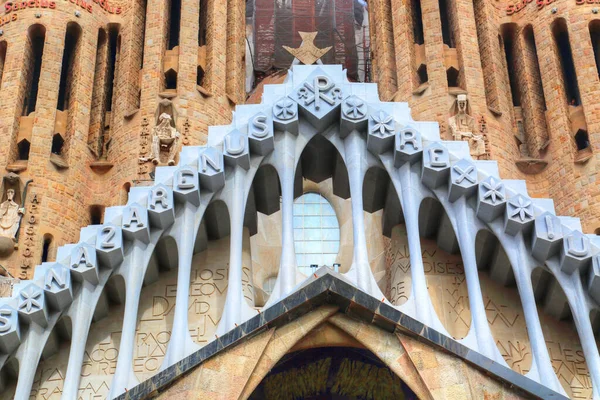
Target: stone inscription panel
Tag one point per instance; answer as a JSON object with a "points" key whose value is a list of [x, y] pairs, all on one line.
{"points": [[445, 281], [448, 290], [208, 288]]}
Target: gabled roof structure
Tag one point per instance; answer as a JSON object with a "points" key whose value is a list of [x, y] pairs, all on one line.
{"points": [[367, 133]]}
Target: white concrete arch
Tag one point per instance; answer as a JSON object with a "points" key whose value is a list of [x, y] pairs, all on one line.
{"points": [[367, 133]]}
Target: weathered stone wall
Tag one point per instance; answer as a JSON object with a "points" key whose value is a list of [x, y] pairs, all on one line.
{"points": [[476, 26], [66, 194]]}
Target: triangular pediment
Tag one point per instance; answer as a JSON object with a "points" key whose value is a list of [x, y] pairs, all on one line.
{"points": [[328, 288]]}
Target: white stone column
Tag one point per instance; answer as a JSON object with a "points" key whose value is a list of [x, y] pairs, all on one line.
{"points": [[181, 343], [236, 309], [522, 268], [81, 317], [466, 241], [137, 262], [356, 162], [410, 208]]}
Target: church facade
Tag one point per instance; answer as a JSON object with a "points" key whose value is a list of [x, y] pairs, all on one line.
{"points": [[299, 199]]}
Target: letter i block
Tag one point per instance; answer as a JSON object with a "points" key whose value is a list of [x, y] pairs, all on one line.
{"points": [[547, 237]]}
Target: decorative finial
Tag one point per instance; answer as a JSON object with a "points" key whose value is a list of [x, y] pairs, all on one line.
{"points": [[307, 53]]}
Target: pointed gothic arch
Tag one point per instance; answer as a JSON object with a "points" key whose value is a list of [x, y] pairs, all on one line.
{"points": [[213, 183]]}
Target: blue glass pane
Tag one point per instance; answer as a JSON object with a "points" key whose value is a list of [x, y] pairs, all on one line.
{"points": [[329, 222], [316, 231]]}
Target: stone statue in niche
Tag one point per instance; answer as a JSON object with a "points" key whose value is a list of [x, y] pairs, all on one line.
{"points": [[11, 212], [462, 126], [164, 137], [10, 215]]}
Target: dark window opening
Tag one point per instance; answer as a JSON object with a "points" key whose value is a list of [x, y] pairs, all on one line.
{"points": [[532, 49], [199, 76], [202, 23], [561, 38], [97, 113], [595, 36], [3, 47], [125, 192], [57, 144], [23, 148], [68, 62], [417, 21], [96, 213], [508, 37], [445, 15], [114, 43], [422, 73], [46, 247], [171, 79], [174, 22], [37, 36], [582, 140], [452, 77], [143, 31]]}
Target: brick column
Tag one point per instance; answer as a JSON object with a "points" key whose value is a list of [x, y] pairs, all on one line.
{"points": [[216, 57], [13, 86], [468, 55], [587, 76], [382, 47], [403, 41], [528, 78], [437, 101], [153, 76], [188, 49], [560, 152], [132, 43], [236, 50]]}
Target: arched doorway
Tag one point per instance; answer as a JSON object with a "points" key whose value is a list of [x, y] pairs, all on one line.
{"points": [[332, 373]]}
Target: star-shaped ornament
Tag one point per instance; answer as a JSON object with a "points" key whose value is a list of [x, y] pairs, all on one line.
{"points": [[307, 53]]}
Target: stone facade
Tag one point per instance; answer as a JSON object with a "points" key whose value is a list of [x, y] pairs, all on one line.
{"points": [[87, 153], [137, 91]]}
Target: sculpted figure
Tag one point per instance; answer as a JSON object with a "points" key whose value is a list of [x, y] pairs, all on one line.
{"points": [[165, 136], [462, 126], [10, 214]]}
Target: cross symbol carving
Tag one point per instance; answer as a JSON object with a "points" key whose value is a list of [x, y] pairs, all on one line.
{"points": [[464, 174]]}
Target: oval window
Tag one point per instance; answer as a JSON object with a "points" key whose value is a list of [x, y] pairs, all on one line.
{"points": [[316, 232]]}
